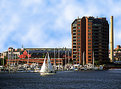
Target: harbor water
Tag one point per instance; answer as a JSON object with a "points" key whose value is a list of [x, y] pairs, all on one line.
{"points": [[109, 79]]}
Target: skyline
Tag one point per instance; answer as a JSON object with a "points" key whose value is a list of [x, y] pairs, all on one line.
{"points": [[44, 23]]}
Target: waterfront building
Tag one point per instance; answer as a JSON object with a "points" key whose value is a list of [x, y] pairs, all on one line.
{"points": [[37, 55], [90, 35]]}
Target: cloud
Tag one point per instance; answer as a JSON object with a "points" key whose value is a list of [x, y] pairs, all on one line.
{"points": [[45, 23]]}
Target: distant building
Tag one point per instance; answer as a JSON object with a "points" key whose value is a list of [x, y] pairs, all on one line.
{"points": [[117, 53], [118, 47], [90, 35]]}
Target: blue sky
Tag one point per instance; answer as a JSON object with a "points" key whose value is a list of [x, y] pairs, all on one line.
{"points": [[47, 23]]}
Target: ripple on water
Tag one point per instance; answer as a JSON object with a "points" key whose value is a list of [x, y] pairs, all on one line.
{"points": [[62, 80]]}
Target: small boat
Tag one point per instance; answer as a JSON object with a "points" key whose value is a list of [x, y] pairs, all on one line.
{"points": [[47, 68], [100, 67], [37, 69]]}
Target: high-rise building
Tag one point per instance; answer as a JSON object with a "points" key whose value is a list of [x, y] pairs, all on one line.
{"points": [[90, 35]]}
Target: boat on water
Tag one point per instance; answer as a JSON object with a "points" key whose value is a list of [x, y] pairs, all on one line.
{"points": [[47, 68], [37, 69]]}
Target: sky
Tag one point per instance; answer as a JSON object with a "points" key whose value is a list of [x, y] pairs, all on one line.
{"points": [[47, 23]]}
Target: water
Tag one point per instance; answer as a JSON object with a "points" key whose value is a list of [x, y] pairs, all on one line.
{"points": [[110, 79]]}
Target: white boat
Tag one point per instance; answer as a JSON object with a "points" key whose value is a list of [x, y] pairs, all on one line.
{"points": [[37, 69], [47, 68], [100, 67]]}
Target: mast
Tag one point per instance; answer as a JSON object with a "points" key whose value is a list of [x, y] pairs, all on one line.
{"points": [[12, 57], [15, 60], [3, 61], [8, 57], [65, 55], [8, 63], [83, 58], [93, 59], [50, 68], [79, 56], [54, 58], [28, 57], [68, 57], [58, 58]]}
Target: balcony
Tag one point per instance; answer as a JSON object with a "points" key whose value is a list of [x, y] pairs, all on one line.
{"points": [[74, 25], [74, 48], [74, 54], [74, 51], [74, 44], [74, 41], [74, 38], [74, 32], [74, 29]]}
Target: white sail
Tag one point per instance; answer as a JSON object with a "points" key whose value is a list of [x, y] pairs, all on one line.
{"points": [[47, 68], [44, 67], [50, 67]]}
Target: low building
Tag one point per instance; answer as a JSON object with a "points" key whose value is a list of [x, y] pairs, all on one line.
{"points": [[58, 56]]}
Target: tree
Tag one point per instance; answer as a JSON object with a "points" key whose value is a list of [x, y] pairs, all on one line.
{"points": [[118, 49]]}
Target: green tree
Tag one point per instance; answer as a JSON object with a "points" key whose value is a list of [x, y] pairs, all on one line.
{"points": [[118, 49]]}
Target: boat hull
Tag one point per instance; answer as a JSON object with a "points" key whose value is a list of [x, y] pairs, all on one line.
{"points": [[44, 74]]}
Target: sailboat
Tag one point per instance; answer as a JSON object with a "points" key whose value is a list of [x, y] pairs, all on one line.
{"points": [[47, 68]]}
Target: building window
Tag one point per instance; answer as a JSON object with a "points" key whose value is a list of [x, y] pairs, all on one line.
{"points": [[78, 43], [89, 43], [100, 50], [78, 34], [89, 53], [74, 25], [89, 46], [89, 33], [78, 27], [78, 24], [89, 59], [78, 37], [89, 49], [89, 30], [78, 30], [78, 40], [78, 46], [89, 56], [89, 27], [89, 36], [89, 20], [89, 24], [89, 40]]}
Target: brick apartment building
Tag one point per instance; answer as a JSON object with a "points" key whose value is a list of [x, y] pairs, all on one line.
{"points": [[90, 35]]}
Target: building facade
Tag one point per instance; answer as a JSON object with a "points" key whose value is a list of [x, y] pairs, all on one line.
{"points": [[90, 38], [58, 56], [117, 53]]}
